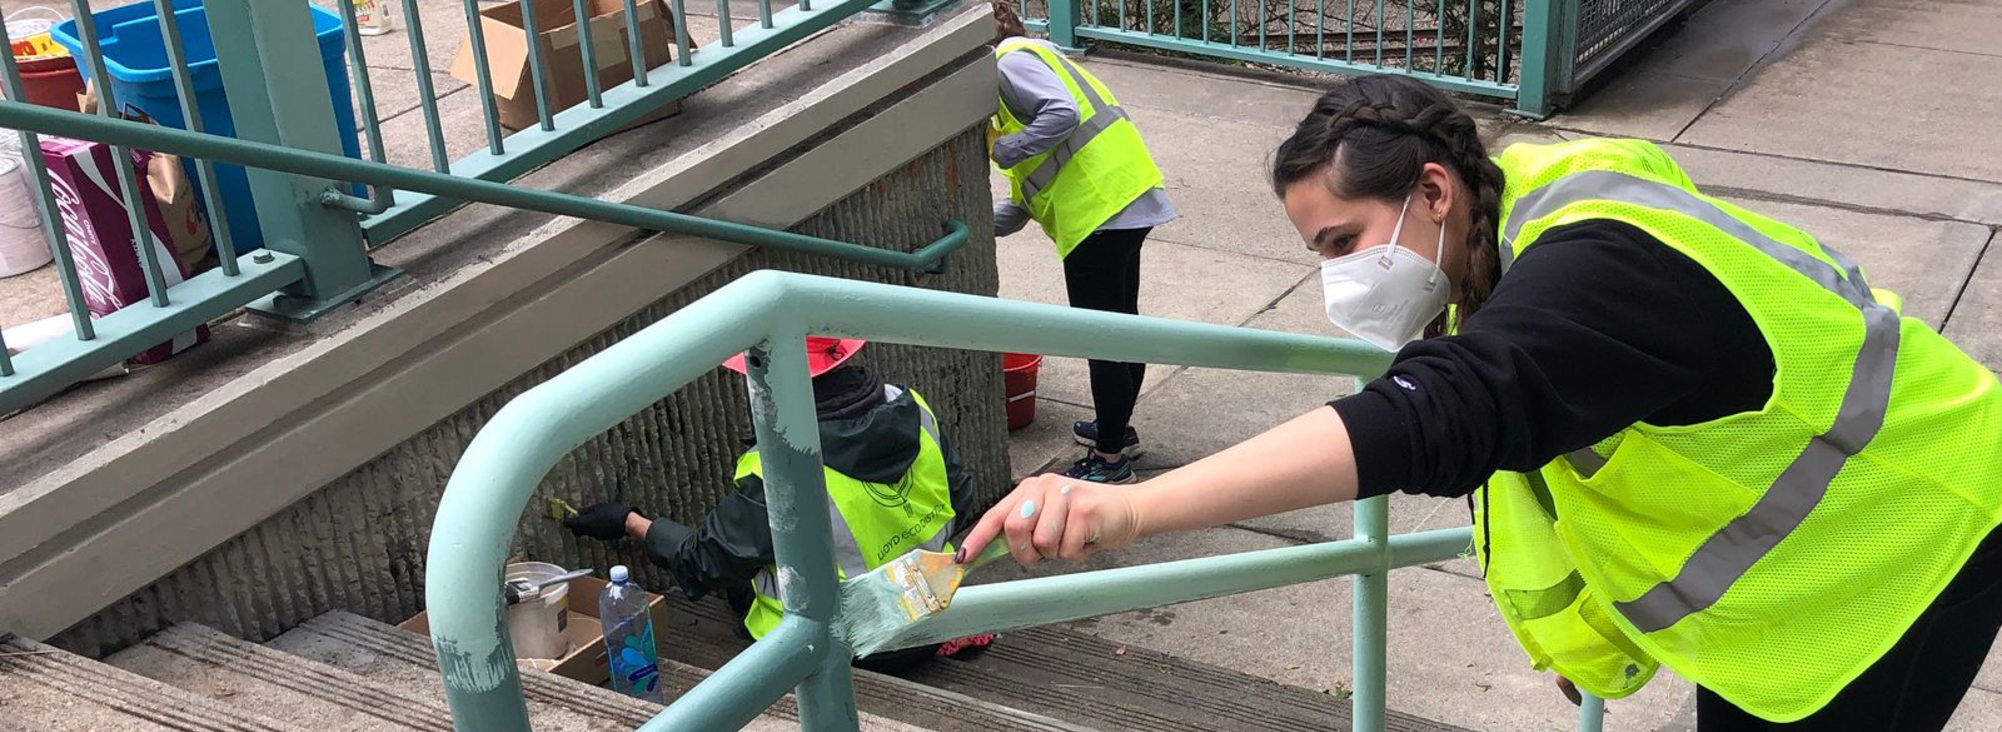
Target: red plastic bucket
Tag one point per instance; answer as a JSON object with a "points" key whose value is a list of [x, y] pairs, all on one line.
{"points": [[51, 81], [1018, 379]]}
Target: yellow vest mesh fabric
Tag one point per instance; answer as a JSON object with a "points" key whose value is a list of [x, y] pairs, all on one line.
{"points": [[1892, 528], [1096, 181], [885, 520]]}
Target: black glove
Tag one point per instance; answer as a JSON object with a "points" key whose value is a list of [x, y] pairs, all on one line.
{"points": [[605, 521]]}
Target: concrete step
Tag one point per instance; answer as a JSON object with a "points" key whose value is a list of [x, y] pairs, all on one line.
{"points": [[251, 677], [43, 689], [387, 656], [390, 655], [702, 634], [1081, 680]]}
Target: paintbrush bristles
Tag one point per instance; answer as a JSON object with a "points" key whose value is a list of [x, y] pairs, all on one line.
{"points": [[877, 606]]}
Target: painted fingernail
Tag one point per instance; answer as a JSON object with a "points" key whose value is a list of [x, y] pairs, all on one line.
{"points": [[1066, 490], [959, 557], [1028, 509]]}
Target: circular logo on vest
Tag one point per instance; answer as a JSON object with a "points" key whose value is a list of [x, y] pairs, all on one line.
{"points": [[890, 496]]}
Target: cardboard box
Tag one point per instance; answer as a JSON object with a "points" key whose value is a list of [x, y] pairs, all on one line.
{"points": [[556, 20], [586, 660], [98, 228]]}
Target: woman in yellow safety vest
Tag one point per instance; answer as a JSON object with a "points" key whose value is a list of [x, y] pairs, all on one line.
{"points": [[1698, 438], [1076, 165]]}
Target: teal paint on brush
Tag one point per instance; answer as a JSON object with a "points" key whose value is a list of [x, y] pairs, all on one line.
{"points": [[877, 607]]}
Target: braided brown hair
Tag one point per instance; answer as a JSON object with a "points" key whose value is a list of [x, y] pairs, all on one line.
{"points": [[1376, 133]]}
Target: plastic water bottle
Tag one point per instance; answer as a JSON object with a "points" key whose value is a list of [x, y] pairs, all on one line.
{"points": [[629, 638]]}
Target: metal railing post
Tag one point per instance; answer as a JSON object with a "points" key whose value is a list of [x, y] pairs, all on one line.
{"points": [[1549, 56], [272, 71], [1591, 712], [1064, 16], [1372, 598], [802, 536]]}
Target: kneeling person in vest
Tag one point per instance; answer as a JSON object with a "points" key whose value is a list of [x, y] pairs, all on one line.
{"points": [[892, 477]]}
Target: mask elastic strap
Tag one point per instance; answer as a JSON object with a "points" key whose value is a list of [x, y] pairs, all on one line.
{"points": [[1438, 255], [1397, 232]]}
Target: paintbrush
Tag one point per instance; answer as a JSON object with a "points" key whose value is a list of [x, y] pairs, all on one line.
{"points": [[878, 606]]}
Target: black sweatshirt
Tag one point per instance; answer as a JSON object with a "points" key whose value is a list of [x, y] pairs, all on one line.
{"points": [[1595, 328]]}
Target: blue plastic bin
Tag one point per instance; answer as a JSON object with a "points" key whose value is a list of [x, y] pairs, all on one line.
{"points": [[135, 56]]}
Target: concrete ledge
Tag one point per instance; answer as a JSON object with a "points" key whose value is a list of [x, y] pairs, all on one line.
{"points": [[219, 465]]}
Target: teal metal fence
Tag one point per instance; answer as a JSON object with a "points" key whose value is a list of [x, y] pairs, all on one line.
{"points": [[770, 314], [1531, 53], [313, 253], [557, 131]]}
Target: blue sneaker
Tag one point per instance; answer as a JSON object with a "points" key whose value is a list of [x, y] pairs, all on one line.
{"points": [[1086, 432], [1096, 469]]}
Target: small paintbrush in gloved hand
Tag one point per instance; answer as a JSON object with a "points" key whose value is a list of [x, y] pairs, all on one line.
{"points": [[878, 606]]}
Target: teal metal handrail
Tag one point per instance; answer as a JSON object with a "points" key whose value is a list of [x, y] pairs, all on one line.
{"points": [[22, 116], [769, 314], [43, 371], [288, 133]]}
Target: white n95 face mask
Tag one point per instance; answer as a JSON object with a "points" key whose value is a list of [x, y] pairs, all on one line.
{"points": [[1385, 294]]}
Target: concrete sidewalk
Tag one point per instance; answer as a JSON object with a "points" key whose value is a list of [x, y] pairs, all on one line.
{"points": [[1857, 121]]}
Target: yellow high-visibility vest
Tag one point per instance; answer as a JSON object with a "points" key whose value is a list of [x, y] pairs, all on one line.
{"points": [[873, 522], [1770, 556], [1103, 166]]}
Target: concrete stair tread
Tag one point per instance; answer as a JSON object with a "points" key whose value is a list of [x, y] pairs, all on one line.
{"points": [[702, 634], [249, 677], [379, 653], [1084, 680], [43, 689], [388, 654]]}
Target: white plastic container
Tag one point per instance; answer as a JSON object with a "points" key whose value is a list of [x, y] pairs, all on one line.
{"points": [[23, 248], [372, 17], [536, 625]]}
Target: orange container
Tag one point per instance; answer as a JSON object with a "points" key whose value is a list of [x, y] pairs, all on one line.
{"points": [[1018, 379]]}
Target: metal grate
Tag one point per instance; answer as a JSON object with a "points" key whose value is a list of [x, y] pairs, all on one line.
{"points": [[1607, 28]]}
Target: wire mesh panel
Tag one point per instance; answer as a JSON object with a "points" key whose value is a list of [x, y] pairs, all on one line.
{"points": [[1607, 28], [1462, 45]]}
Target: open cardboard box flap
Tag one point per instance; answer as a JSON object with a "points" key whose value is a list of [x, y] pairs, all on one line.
{"points": [[508, 58]]}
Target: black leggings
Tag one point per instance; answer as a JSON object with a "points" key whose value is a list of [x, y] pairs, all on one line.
{"points": [[1103, 273], [1916, 686]]}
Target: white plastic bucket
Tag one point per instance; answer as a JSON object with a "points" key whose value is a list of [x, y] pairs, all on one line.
{"points": [[536, 626], [23, 249]]}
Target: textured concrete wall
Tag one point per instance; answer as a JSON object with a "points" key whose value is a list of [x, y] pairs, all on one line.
{"points": [[358, 544]]}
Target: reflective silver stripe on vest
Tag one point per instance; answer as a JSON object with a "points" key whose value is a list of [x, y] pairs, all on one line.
{"points": [[1607, 185], [1103, 118], [847, 555], [926, 421], [1586, 461], [938, 540], [1728, 554]]}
